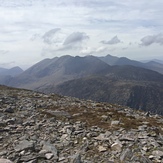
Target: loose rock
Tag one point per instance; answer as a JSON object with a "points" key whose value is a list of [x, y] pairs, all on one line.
{"points": [[39, 128]]}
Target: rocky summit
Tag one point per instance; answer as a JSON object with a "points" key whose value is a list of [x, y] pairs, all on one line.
{"points": [[40, 128]]}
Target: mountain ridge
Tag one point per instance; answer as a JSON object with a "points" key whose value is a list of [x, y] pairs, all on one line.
{"points": [[65, 74], [57, 70], [152, 65]]}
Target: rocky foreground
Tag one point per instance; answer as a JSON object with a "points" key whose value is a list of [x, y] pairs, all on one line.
{"points": [[39, 128]]}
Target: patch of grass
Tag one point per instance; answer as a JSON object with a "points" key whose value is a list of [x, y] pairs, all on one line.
{"points": [[154, 122], [93, 116], [130, 123]]}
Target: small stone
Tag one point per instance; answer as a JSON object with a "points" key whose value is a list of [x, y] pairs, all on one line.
{"points": [[157, 153], [76, 159], [95, 144], [142, 128], [43, 152], [142, 136], [104, 117], [69, 131], [63, 137], [24, 145], [9, 110], [145, 149], [3, 153], [49, 156], [126, 138], [101, 137], [50, 148], [84, 139], [107, 133], [152, 133], [76, 142], [22, 152], [61, 158], [151, 157], [127, 153], [116, 147], [102, 149], [115, 122]]}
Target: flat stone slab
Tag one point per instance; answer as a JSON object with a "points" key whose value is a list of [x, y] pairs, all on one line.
{"points": [[5, 161]]}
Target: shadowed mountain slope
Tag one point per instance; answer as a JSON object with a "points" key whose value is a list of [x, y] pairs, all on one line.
{"points": [[142, 95], [135, 73]]}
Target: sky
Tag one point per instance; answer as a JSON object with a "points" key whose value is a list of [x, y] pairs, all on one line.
{"points": [[32, 30]]}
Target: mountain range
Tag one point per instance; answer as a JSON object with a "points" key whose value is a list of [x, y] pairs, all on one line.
{"points": [[6, 75], [107, 79], [12, 71], [155, 65]]}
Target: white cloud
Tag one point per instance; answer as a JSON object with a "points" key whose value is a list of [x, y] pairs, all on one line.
{"points": [[114, 40], [49, 36], [151, 39], [75, 37], [35, 37]]}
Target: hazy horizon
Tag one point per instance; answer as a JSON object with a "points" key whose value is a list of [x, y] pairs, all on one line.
{"points": [[34, 30]]}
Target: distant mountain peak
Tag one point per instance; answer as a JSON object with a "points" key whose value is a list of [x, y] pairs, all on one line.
{"points": [[14, 71]]}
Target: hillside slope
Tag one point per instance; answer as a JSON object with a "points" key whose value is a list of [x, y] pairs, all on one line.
{"points": [[36, 127], [141, 95]]}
